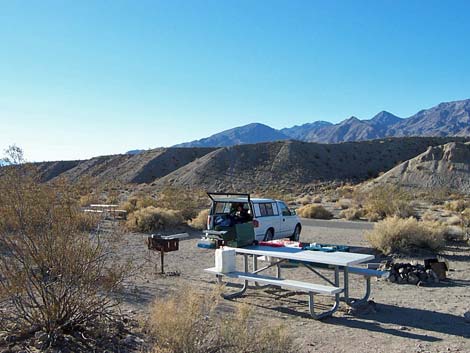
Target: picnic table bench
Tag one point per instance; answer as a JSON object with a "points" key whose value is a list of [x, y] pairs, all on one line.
{"points": [[337, 261]]}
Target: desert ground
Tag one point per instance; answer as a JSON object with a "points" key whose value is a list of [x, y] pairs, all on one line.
{"points": [[405, 318]]}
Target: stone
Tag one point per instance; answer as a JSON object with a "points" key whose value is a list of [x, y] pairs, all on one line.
{"points": [[466, 316]]}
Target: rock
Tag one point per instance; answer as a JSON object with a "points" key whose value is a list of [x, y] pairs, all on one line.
{"points": [[466, 316], [413, 279]]}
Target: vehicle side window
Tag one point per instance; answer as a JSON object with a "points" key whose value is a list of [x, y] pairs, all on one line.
{"points": [[269, 209], [275, 210], [219, 207], [262, 209], [257, 210], [284, 209]]}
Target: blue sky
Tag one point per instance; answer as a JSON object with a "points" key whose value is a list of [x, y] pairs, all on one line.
{"points": [[87, 78]]}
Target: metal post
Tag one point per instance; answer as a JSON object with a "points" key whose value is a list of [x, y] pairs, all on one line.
{"points": [[278, 266], [162, 259], [346, 284]]}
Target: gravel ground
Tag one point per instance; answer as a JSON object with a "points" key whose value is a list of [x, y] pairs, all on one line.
{"points": [[406, 318]]}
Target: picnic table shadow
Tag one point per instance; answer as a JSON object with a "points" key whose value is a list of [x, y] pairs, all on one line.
{"points": [[294, 304]]}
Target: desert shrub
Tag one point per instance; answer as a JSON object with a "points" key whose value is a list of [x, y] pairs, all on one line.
{"points": [[466, 217], [453, 220], [429, 216], [304, 200], [178, 199], [314, 211], [200, 221], [343, 204], [150, 219], [188, 322], [138, 202], [394, 235], [86, 221], [352, 213], [456, 205], [89, 199], [54, 278], [317, 199], [387, 201]]}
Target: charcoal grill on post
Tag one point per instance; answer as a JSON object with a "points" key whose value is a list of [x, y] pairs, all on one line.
{"points": [[163, 244]]}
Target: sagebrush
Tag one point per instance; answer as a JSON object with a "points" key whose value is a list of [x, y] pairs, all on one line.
{"points": [[314, 211], [404, 235]]}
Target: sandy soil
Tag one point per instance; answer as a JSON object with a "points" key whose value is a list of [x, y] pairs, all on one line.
{"points": [[406, 318]]}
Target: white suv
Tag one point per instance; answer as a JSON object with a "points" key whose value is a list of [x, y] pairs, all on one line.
{"points": [[272, 219]]}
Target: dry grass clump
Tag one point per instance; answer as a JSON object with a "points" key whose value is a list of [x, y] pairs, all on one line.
{"points": [[304, 200], [352, 213], [314, 211], [54, 278], [343, 204], [200, 221], [89, 199], [395, 235], [317, 199], [135, 203], [453, 221], [456, 205], [188, 322], [150, 219], [429, 216], [387, 201]]}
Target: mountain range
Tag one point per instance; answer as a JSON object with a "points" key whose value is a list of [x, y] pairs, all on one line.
{"points": [[445, 119]]}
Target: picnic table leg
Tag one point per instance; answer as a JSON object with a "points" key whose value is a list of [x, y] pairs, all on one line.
{"points": [[245, 282], [346, 284], [365, 298], [311, 306]]}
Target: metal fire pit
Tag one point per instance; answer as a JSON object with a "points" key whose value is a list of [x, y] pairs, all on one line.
{"points": [[163, 244]]}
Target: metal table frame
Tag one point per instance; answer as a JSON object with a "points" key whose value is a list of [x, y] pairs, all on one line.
{"points": [[278, 254]]}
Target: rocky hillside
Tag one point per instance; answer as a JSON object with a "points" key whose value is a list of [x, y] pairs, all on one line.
{"points": [[445, 119], [443, 166], [287, 164], [143, 167]]}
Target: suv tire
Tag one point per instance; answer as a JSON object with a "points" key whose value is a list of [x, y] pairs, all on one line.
{"points": [[296, 235], [269, 235]]}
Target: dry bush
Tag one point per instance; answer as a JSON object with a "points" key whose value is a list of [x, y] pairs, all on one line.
{"points": [[55, 278], [429, 216], [200, 221], [456, 205], [152, 219], [135, 203], [386, 201], [304, 200], [87, 221], [89, 199], [466, 217], [317, 199], [343, 204], [394, 235], [453, 221], [179, 199], [314, 211], [188, 322], [352, 213]]}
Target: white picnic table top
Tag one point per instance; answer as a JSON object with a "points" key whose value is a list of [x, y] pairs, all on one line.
{"points": [[336, 258], [103, 206]]}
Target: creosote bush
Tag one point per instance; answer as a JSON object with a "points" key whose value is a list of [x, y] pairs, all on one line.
{"points": [[398, 235], [152, 219], [54, 277], [456, 205], [386, 201], [200, 221], [189, 322], [314, 211], [352, 213]]}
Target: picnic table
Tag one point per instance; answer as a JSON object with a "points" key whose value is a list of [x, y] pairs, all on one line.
{"points": [[343, 262]]}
